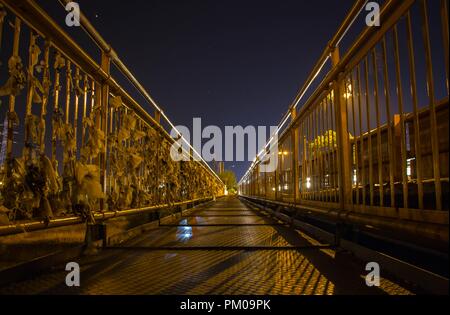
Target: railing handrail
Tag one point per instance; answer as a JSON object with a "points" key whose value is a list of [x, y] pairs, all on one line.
{"points": [[342, 65], [36, 225], [30, 12], [107, 48], [340, 33], [356, 48]]}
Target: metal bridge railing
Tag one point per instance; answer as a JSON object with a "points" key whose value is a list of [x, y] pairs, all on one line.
{"points": [[372, 139], [74, 142]]}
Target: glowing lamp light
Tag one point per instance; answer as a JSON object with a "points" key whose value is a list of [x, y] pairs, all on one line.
{"points": [[348, 94], [408, 167], [308, 182]]}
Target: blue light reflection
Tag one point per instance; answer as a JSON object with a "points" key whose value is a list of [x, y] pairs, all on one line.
{"points": [[184, 233]]}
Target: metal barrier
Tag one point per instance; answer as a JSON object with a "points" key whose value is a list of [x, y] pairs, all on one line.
{"points": [[371, 142], [74, 142]]}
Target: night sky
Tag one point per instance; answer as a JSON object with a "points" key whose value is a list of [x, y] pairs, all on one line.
{"points": [[228, 62]]}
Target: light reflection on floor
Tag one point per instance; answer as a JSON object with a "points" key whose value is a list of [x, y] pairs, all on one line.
{"points": [[205, 272], [184, 233]]}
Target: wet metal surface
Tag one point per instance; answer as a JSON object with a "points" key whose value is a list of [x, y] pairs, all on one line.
{"points": [[215, 251]]}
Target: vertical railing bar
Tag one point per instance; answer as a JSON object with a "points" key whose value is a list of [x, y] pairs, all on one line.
{"points": [[30, 81], [433, 119], [402, 118], [369, 132], [83, 121], [413, 84], [265, 186], [92, 95], [76, 104], [280, 173], [388, 122], [355, 140], [330, 148], [67, 154], [140, 146], [29, 101], [111, 120], [12, 101], [314, 155], [348, 81], [334, 147], [342, 134], [444, 23], [104, 99], [305, 154], [311, 157], [322, 149], [256, 176], [316, 132], [110, 175], [304, 158], [332, 122], [92, 105], [377, 110], [68, 87], [295, 158], [318, 166], [326, 148], [56, 112], [45, 97], [361, 136], [322, 139], [300, 162], [308, 156]]}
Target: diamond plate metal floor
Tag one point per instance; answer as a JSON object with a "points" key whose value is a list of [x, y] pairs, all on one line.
{"points": [[225, 248]]}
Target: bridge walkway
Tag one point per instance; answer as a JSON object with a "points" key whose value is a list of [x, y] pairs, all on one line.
{"points": [[224, 247]]}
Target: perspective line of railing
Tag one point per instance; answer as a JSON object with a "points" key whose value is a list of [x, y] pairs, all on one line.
{"points": [[372, 138], [86, 146]]}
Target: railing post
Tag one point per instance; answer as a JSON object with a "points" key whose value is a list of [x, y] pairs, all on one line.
{"points": [[343, 149], [295, 144], [277, 174], [252, 182], [158, 116], [105, 65], [257, 180]]}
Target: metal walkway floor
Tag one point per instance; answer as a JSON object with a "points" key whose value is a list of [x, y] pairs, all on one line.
{"points": [[226, 248]]}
